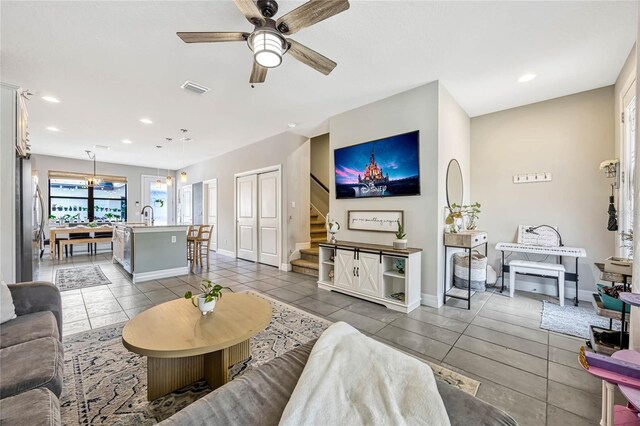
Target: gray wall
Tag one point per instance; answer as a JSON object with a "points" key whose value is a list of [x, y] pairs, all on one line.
{"points": [[568, 137], [288, 150], [416, 109], [320, 158], [198, 202]]}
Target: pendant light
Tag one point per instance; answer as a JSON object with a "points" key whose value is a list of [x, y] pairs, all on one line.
{"points": [[158, 181], [93, 181], [169, 179], [183, 174]]}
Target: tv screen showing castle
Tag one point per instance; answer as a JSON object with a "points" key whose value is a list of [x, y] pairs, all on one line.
{"points": [[382, 168]]}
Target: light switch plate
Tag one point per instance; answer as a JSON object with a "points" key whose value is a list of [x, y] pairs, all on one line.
{"points": [[173, 238]]}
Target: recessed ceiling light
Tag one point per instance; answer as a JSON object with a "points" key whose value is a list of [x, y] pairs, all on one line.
{"points": [[105, 147], [53, 129], [51, 99], [292, 125], [146, 121], [127, 141], [526, 77]]}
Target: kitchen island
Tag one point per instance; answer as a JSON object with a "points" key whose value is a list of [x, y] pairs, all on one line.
{"points": [[151, 252]]}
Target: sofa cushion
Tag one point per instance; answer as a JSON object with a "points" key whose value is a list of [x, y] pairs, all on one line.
{"points": [[35, 407], [7, 309], [28, 327], [260, 396], [30, 365]]}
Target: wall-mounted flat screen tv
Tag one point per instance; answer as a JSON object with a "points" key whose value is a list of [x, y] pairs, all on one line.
{"points": [[388, 167]]}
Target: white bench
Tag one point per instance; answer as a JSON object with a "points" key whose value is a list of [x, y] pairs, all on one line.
{"points": [[553, 270]]}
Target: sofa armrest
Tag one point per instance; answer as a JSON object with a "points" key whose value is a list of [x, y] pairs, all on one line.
{"points": [[37, 296]]}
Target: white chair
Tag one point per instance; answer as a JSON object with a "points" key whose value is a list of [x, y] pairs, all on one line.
{"points": [[553, 270]]}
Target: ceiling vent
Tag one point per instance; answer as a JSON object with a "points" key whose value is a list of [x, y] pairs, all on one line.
{"points": [[196, 88]]}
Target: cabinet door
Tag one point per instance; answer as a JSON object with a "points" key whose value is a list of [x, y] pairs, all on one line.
{"points": [[344, 273], [368, 274]]}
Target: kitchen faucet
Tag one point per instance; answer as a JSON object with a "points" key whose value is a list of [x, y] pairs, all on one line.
{"points": [[145, 214]]}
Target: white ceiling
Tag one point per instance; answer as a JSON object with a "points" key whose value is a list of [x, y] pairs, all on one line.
{"points": [[112, 63]]}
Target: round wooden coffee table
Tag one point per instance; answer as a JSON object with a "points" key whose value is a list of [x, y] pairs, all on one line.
{"points": [[182, 346]]}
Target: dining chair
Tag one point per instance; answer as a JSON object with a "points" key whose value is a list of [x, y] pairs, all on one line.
{"points": [[202, 244], [192, 234]]}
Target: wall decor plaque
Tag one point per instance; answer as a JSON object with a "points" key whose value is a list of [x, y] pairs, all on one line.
{"points": [[375, 220]]}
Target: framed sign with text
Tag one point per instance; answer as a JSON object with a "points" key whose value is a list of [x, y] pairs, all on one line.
{"points": [[375, 220]]}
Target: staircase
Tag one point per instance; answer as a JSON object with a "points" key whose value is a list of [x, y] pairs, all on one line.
{"points": [[308, 264]]}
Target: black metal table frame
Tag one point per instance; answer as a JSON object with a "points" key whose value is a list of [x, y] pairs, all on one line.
{"points": [[623, 316], [568, 276], [468, 250]]}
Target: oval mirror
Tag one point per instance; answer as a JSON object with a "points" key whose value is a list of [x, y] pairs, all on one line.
{"points": [[455, 186]]}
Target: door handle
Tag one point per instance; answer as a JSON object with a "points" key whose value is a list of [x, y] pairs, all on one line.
{"points": [[354, 271], [357, 271]]}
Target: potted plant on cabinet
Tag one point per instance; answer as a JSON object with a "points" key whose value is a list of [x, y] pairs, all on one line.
{"points": [[206, 301], [52, 219], [400, 242]]}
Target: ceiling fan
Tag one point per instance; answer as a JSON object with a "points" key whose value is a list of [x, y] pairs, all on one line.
{"points": [[268, 42]]}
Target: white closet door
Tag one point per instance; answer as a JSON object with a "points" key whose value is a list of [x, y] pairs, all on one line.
{"points": [[212, 213], [247, 217], [269, 218]]}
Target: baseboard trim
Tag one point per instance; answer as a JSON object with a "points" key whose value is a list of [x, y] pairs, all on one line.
{"points": [[285, 267], [300, 246], [224, 252], [163, 273], [431, 300]]}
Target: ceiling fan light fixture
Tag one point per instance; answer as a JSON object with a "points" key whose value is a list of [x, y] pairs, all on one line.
{"points": [[268, 48]]}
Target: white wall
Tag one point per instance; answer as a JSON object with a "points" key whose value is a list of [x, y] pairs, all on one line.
{"points": [[567, 137], [44, 163], [288, 150], [454, 129], [424, 108], [320, 158], [7, 183]]}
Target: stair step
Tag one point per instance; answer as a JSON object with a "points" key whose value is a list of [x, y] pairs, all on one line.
{"points": [[313, 215], [311, 251], [322, 239], [305, 264], [318, 227], [321, 234], [316, 222], [305, 271]]}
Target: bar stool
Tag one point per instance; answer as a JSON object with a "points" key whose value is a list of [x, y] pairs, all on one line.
{"points": [[192, 234], [202, 245]]}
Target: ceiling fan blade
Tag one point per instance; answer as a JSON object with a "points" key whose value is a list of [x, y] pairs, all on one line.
{"points": [[310, 13], [198, 37], [310, 57], [258, 73], [250, 11]]}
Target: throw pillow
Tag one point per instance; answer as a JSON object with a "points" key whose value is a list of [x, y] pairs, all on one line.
{"points": [[7, 310]]}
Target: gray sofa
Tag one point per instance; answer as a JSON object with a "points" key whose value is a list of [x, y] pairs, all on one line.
{"points": [[31, 357], [260, 396]]}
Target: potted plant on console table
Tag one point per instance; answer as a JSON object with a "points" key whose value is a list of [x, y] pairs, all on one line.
{"points": [[206, 301], [401, 242]]}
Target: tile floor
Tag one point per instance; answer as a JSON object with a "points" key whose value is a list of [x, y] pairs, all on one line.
{"points": [[528, 372]]}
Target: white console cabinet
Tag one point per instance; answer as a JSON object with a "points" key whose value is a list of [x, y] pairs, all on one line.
{"points": [[370, 272]]}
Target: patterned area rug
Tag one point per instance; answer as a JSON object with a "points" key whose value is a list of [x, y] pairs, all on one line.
{"points": [[104, 383], [572, 320], [80, 277]]}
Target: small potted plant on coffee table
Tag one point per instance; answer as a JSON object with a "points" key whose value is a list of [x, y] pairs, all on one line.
{"points": [[206, 301]]}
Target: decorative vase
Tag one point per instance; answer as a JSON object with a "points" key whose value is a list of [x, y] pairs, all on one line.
{"points": [[205, 307], [400, 244]]}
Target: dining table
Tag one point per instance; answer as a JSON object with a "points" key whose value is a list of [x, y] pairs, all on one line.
{"points": [[53, 231]]}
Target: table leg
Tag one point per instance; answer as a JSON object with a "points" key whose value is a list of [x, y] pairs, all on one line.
{"points": [[607, 404], [576, 301], [216, 364], [445, 276], [164, 375], [469, 284], [52, 244], [502, 271]]}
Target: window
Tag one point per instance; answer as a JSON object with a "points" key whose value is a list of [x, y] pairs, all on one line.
{"points": [[70, 201]]}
